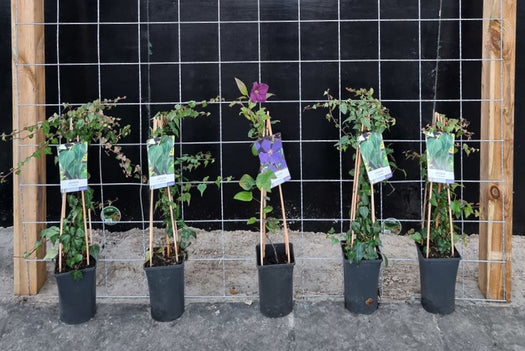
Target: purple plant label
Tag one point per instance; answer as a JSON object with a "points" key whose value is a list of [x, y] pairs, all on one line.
{"points": [[271, 156], [374, 156]]}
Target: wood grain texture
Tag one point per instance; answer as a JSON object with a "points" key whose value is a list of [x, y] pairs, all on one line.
{"points": [[497, 123], [29, 202]]}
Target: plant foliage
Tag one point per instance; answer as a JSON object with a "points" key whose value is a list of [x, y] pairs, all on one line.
{"points": [[181, 192], [87, 123], [360, 113], [258, 116], [440, 243]]}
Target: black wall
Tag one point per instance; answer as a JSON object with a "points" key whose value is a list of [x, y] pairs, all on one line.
{"points": [[6, 192], [158, 43]]}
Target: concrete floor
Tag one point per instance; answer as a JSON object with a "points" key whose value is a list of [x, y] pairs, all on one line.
{"points": [[32, 324]]}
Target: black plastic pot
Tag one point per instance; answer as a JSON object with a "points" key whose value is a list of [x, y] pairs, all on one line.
{"points": [[361, 284], [438, 282], [166, 291], [77, 299], [275, 282]]}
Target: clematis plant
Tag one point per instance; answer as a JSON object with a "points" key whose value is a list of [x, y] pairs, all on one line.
{"points": [[251, 109]]}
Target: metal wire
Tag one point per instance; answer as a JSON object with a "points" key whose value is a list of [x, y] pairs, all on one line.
{"points": [[144, 101]]}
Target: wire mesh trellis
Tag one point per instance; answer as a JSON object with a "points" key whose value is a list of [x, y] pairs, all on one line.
{"points": [[300, 49]]}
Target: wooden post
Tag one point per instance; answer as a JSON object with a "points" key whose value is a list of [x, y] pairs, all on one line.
{"points": [[497, 122], [29, 202]]}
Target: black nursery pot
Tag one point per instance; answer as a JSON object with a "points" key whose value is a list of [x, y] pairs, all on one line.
{"points": [[166, 291], [438, 282], [361, 284], [275, 282], [77, 299]]}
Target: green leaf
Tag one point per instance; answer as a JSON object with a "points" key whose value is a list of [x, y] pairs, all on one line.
{"points": [[202, 187], [246, 196], [264, 180], [241, 86], [467, 210], [246, 182], [343, 108], [268, 209], [50, 254], [252, 220], [94, 251], [364, 211]]}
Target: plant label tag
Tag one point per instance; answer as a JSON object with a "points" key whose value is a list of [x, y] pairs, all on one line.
{"points": [[271, 156], [110, 215], [161, 161], [440, 157], [72, 164], [374, 156]]}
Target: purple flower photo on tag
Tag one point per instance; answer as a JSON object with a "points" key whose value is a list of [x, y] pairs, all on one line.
{"points": [[271, 156]]}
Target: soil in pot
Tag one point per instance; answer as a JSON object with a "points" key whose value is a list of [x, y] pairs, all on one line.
{"points": [[166, 287], [438, 282], [275, 280], [77, 298], [361, 281]]}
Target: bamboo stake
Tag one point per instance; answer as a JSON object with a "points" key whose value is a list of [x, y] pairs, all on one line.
{"points": [[151, 228], [424, 205], [451, 224], [372, 203], [354, 189], [285, 225], [62, 217], [286, 238], [90, 227], [261, 228], [174, 227], [356, 180], [84, 216], [428, 218], [85, 226]]}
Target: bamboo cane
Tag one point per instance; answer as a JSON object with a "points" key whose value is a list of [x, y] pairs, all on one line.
{"points": [[174, 227], [424, 205], [372, 203], [90, 227], [356, 180], [261, 227], [354, 189], [285, 225], [451, 224], [151, 228], [62, 217], [286, 238], [85, 226], [428, 218]]}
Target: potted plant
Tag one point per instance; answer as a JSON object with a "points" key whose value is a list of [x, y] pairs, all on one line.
{"points": [[435, 242], [275, 261], [363, 120], [77, 254], [164, 265]]}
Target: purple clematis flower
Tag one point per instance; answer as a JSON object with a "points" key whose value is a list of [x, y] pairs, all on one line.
{"points": [[258, 93]]}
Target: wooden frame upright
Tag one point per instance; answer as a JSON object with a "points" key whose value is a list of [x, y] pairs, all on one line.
{"points": [[29, 97], [497, 155]]}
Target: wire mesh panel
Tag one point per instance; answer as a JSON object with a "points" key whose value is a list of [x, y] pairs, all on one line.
{"points": [[418, 56]]}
